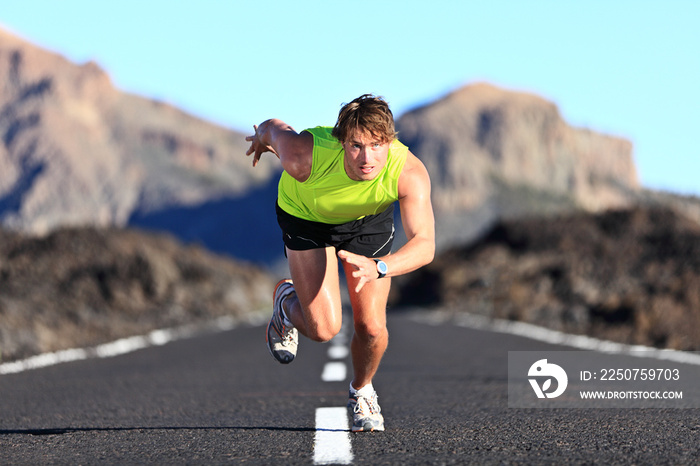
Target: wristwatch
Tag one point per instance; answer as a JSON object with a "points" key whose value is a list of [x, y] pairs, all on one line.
{"points": [[382, 268]]}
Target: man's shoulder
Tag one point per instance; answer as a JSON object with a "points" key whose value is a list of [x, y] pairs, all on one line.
{"points": [[414, 175]]}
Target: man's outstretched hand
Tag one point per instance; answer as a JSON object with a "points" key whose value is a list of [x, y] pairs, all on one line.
{"points": [[257, 147]]}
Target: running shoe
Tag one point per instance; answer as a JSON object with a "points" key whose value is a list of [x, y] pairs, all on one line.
{"points": [[366, 413], [281, 339]]}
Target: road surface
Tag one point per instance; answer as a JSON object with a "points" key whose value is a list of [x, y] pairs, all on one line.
{"points": [[222, 399]]}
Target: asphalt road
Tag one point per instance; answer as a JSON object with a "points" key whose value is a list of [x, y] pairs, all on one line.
{"points": [[221, 398]]}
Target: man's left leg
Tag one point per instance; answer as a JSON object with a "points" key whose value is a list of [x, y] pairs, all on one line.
{"points": [[369, 342]]}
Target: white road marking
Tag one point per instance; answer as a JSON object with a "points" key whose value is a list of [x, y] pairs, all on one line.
{"points": [[118, 347], [554, 337], [338, 352], [334, 372], [332, 442]]}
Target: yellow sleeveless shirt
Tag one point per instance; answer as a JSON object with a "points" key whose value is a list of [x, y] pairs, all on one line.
{"points": [[329, 195]]}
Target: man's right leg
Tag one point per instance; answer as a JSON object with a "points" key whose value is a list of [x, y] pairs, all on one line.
{"points": [[315, 306]]}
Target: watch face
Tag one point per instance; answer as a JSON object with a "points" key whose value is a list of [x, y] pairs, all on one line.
{"points": [[382, 268]]}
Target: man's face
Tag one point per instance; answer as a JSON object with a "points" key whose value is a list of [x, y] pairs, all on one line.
{"points": [[365, 156]]}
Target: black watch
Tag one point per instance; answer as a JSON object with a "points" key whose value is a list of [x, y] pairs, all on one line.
{"points": [[382, 268]]}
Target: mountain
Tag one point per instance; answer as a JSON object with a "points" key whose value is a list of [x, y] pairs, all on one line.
{"points": [[493, 153], [630, 275], [74, 150]]}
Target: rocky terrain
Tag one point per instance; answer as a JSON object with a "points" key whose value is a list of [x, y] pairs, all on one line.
{"points": [[86, 286], [631, 276], [628, 275]]}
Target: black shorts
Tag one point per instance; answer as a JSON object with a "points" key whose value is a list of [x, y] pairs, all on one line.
{"points": [[370, 236]]}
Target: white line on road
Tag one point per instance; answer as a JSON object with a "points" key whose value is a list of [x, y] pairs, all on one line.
{"points": [[553, 337], [118, 347], [332, 444], [338, 352], [334, 372]]}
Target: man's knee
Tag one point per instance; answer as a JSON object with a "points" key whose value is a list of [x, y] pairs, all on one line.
{"points": [[323, 323], [370, 329], [323, 332]]}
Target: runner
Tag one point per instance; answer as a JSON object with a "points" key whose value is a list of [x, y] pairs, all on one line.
{"points": [[336, 200]]}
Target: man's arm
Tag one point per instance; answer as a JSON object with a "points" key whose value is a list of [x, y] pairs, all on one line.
{"points": [[295, 150], [417, 219], [418, 224]]}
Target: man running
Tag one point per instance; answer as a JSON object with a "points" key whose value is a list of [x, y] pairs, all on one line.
{"points": [[335, 200]]}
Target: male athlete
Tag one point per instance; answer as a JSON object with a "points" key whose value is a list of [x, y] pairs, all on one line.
{"points": [[335, 200]]}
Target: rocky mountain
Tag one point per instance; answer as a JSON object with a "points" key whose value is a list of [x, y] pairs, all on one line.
{"points": [[629, 275], [79, 287], [74, 150], [493, 153]]}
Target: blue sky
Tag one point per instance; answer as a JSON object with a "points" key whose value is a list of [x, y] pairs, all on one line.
{"points": [[626, 68]]}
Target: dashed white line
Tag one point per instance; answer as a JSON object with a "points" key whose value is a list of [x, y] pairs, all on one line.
{"points": [[334, 372], [338, 352], [332, 443]]}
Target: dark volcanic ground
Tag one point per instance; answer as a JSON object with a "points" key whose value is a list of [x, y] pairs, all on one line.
{"points": [[82, 287], [631, 276]]}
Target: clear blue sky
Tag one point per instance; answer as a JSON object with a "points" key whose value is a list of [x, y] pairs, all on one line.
{"points": [[627, 68]]}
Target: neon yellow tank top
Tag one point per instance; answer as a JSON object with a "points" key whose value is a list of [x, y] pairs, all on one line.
{"points": [[329, 195]]}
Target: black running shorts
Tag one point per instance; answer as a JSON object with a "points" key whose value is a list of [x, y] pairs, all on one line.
{"points": [[370, 236]]}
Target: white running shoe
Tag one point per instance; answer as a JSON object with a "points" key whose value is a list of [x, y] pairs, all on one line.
{"points": [[282, 340], [366, 413]]}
